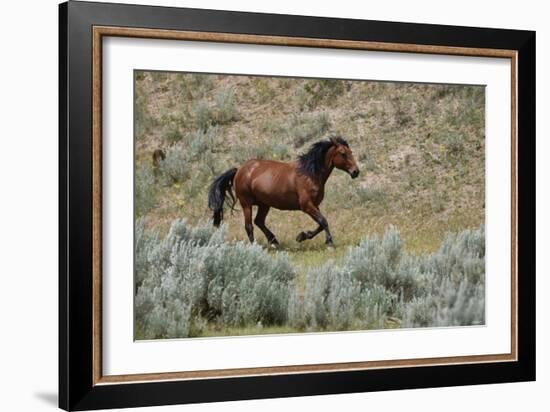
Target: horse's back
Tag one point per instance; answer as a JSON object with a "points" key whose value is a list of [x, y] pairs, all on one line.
{"points": [[267, 182]]}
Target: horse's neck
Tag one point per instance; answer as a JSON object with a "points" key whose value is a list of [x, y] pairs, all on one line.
{"points": [[325, 175], [328, 167]]}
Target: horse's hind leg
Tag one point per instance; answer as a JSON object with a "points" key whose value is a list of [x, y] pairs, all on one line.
{"points": [[260, 222], [247, 211]]}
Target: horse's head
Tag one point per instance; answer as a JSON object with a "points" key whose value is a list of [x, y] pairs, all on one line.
{"points": [[342, 157]]}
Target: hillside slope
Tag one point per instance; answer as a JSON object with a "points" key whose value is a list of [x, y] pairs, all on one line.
{"points": [[420, 149]]}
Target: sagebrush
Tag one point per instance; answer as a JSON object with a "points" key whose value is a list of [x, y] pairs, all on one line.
{"points": [[191, 276], [379, 285], [192, 279]]}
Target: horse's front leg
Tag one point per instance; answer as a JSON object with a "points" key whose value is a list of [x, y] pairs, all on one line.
{"points": [[316, 215], [310, 234]]}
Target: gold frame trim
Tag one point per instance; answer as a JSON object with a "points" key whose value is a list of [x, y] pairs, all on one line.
{"points": [[101, 31]]}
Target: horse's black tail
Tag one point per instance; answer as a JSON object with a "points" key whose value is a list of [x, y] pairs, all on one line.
{"points": [[218, 192]]}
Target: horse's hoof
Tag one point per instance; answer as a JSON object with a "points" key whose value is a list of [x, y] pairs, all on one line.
{"points": [[330, 247], [301, 237]]}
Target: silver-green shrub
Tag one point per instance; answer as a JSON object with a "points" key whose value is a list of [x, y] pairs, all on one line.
{"points": [[192, 274], [221, 111], [382, 261], [455, 293], [202, 115], [303, 128], [461, 305], [175, 167], [225, 106], [144, 186], [462, 254], [201, 141], [194, 85], [191, 277], [379, 282], [247, 285], [179, 158], [376, 304], [145, 242], [296, 310], [332, 298]]}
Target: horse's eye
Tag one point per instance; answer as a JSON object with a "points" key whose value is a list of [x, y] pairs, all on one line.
{"points": [[344, 155]]}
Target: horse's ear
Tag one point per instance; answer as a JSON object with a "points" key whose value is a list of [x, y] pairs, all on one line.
{"points": [[334, 141]]}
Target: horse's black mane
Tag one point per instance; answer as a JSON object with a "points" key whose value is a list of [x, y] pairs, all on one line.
{"points": [[312, 163]]}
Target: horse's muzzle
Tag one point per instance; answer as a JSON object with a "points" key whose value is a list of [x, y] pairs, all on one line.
{"points": [[354, 173]]}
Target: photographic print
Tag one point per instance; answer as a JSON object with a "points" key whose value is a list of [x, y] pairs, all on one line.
{"points": [[232, 182], [277, 205]]}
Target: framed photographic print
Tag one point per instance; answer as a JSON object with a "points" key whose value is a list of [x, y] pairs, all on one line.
{"points": [[256, 205]]}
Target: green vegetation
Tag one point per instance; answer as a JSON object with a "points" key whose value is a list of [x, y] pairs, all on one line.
{"points": [[193, 283], [192, 277], [420, 148]]}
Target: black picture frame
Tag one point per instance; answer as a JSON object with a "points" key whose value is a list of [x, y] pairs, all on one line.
{"points": [[77, 390]]}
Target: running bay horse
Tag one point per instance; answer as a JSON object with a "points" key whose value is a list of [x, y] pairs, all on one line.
{"points": [[298, 185]]}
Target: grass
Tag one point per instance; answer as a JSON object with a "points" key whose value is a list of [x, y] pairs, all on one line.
{"points": [[420, 149], [218, 331]]}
